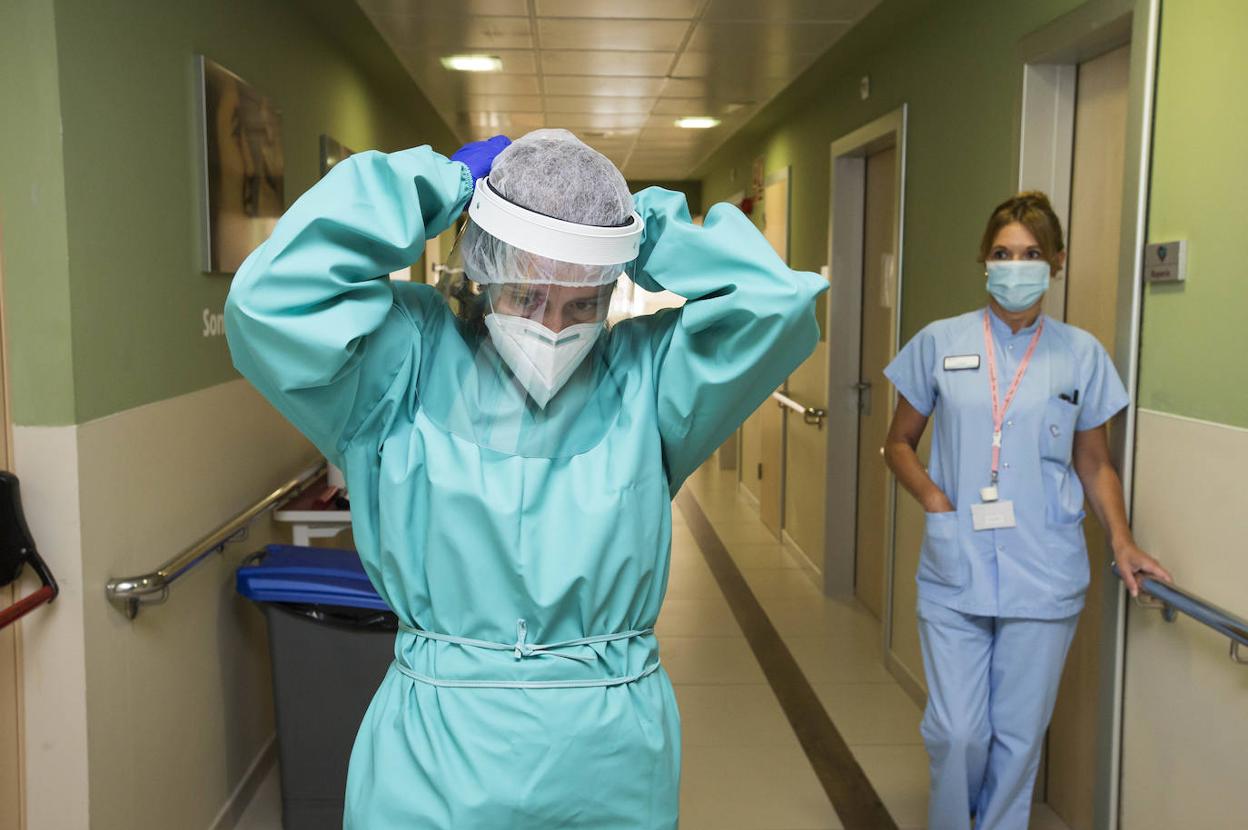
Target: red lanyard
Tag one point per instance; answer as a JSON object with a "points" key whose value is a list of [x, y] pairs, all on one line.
{"points": [[999, 408]]}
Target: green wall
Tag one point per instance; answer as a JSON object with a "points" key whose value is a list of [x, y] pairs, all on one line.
{"points": [[690, 187], [957, 67], [1195, 336], [32, 215], [126, 81]]}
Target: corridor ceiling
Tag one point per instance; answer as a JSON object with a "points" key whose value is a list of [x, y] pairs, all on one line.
{"points": [[618, 73]]}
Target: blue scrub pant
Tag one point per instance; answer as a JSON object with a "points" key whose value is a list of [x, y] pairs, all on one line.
{"points": [[992, 683]]}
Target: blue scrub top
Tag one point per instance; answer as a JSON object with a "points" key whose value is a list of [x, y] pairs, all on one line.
{"points": [[1039, 568]]}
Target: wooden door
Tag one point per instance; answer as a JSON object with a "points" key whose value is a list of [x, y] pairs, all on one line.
{"points": [[1091, 304], [878, 304]]}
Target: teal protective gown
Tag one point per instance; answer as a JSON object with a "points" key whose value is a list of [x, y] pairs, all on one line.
{"points": [[525, 555]]}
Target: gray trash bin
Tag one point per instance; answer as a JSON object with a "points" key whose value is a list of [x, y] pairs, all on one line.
{"points": [[331, 639]]}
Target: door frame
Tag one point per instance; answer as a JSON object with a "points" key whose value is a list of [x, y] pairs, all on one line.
{"points": [[1050, 57], [847, 189], [783, 174]]}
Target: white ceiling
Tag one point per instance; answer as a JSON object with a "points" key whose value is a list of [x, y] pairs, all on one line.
{"points": [[616, 72]]}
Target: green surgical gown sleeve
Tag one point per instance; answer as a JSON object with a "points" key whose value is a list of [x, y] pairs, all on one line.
{"points": [[748, 322], [312, 320]]}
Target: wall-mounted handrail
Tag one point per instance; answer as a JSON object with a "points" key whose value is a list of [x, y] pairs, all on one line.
{"points": [[131, 592], [1172, 600], [809, 414]]}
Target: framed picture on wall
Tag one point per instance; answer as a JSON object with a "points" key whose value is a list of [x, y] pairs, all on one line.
{"points": [[242, 164]]}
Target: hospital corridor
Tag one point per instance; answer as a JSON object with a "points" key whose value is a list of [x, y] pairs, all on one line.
{"points": [[623, 415]]}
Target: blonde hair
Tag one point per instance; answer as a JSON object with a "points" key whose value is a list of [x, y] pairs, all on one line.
{"points": [[1032, 210]]}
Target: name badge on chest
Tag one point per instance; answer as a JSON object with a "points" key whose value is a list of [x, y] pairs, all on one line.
{"points": [[961, 362], [995, 515]]}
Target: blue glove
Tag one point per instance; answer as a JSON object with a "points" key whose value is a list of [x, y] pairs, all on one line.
{"points": [[478, 156]]}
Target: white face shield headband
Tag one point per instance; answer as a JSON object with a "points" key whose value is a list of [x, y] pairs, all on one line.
{"points": [[564, 272], [604, 252]]}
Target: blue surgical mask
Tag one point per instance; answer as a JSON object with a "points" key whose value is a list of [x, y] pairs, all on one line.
{"points": [[1018, 284]]}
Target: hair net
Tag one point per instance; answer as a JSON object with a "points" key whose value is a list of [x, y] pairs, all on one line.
{"points": [[555, 173], [551, 173]]}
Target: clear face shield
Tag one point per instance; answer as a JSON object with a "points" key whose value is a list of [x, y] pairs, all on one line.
{"points": [[531, 295]]}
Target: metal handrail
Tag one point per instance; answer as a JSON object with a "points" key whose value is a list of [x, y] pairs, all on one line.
{"points": [[1172, 600], [131, 592], [809, 414]]}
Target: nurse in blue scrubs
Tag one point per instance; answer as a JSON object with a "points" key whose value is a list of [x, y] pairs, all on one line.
{"points": [[1020, 402]]}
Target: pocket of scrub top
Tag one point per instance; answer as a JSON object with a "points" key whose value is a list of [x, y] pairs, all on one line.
{"points": [[1066, 560], [1057, 435], [941, 560]]}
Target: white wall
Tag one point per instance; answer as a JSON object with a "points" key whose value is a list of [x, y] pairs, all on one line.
{"points": [[1185, 730]]}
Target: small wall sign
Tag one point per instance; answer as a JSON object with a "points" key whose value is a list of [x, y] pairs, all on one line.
{"points": [[1165, 262]]}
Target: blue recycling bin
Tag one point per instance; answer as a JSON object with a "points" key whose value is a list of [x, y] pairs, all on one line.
{"points": [[331, 639]]}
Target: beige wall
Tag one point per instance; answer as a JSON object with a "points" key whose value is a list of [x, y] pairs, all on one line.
{"points": [[175, 705], [53, 661], [1185, 723]]}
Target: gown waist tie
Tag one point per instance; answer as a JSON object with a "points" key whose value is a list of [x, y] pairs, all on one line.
{"points": [[522, 650]]}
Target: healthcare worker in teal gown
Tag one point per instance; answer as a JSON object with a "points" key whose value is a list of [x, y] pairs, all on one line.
{"points": [[511, 462], [1019, 402]]}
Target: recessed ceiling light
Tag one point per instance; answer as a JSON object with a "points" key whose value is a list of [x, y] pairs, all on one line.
{"points": [[473, 63], [697, 122]]}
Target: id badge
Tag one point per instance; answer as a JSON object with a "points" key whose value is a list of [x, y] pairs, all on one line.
{"points": [[992, 516], [961, 362]]}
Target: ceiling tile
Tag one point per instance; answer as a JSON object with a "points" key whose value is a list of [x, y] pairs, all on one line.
{"points": [[653, 64], [684, 106], [735, 69], [582, 85], [652, 9], [834, 10], [740, 39], [595, 121], [497, 83], [674, 135], [457, 34], [502, 120], [602, 104], [423, 63], [446, 8], [503, 103], [623, 35]]}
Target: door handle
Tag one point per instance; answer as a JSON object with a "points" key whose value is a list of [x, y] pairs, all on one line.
{"points": [[863, 388]]}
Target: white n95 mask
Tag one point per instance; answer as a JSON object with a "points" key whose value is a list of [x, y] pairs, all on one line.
{"points": [[541, 360]]}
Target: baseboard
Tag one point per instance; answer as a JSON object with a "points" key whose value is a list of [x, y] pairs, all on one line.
{"points": [[805, 561], [750, 497], [238, 801]]}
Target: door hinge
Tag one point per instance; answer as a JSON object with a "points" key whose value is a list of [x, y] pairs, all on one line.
{"points": [[760, 471]]}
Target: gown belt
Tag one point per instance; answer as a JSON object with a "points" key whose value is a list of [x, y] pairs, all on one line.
{"points": [[523, 649]]}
